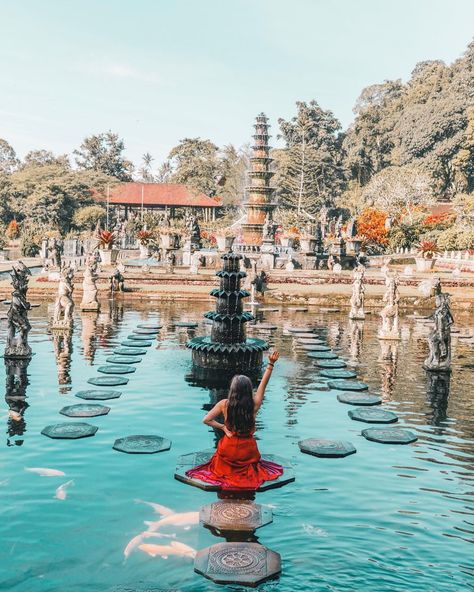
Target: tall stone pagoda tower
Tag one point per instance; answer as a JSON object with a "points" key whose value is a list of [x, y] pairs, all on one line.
{"points": [[260, 193]]}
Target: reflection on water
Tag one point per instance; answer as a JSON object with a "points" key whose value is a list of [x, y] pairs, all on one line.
{"points": [[379, 520], [62, 342]]}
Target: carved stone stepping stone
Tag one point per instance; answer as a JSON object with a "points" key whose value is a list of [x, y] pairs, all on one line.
{"points": [[188, 461], [69, 431], [264, 326], [371, 415], [362, 398], [146, 332], [131, 343], [129, 351], [329, 309], [300, 329], [123, 360], [322, 355], [189, 325], [389, 435], [315, 347], [108, 380], [331, 364], [116, 369], [245, 564], [139, 444], [311, 336], [233, 515], [348, 385], [298, 309], [310, 340], [84, 410], [326, 448], [139, 337], [269, 309], [337, 373], [96, 395], [150, 326]]}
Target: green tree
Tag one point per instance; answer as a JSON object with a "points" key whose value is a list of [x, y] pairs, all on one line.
{"points": [[309, 169], [234, 165], [8, 160], [195, 163], [45, 157], [104, 153], [86, 218], [145, 172]]}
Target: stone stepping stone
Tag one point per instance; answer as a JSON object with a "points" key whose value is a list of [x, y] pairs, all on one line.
{"points": [[123, 360], [264, 326], [84, 410], [300, 329], [360, 398], [116, 369], [371, 415], [331, 364], [188, 461], [96, 395], [190, 325], [145, 332], [310, 340], [298, 309], [315, 347], [129, 351], [243, 564], [108, 380], [329, 309], [69, 431], [269, 309], [241, 515], [311, 336], [348, 385], [322, 355], [150, 326], [326, 448], [131, 343], [389, 435], [337, 373], [139, 337], [139, 444]]}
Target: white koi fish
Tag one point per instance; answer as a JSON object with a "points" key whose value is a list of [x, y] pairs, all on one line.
{"points": [[138, 540], [164, 551], [45, 472], [158, 508], [61, 491], [186, 519]]}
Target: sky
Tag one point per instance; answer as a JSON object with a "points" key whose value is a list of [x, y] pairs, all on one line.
{"points": [[157, 71]]}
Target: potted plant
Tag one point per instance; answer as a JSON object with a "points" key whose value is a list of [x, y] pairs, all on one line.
{"points": [[106, 243], [307, 243], [169, 237], [225, 238], [426, 252], [144, 239]]}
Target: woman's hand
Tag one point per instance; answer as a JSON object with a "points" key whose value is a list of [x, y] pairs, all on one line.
{"points": [[273, 357], [227, 432]]}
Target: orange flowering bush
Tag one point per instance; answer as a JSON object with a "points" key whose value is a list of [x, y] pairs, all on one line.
{"points": [[371, 226], [13, 230]]}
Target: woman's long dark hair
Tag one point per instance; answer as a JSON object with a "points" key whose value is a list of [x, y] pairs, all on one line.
{"points": [[240, 406]]}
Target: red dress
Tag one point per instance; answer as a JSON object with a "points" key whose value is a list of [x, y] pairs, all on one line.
{"points": [[237, 464]]}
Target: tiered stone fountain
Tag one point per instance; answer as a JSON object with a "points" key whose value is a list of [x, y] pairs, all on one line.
{"points": [[228, 349]]}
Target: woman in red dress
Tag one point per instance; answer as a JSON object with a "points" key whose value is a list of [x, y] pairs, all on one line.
{"points": [[236, 463]]}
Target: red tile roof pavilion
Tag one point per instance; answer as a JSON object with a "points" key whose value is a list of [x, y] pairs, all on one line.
{"points": [[160, 195]]}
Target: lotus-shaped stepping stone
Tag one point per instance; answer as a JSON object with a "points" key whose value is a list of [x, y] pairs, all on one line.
{"points": [[331, 364], [315, 347], [150, 326], [322, 355], [139, 444], [138, 337], [246, 564], [123, 360], [69, 431], [189, 325], [129, 351], [326, 448], [233, 515], [337, 373], [371, 415], [129, 343]]}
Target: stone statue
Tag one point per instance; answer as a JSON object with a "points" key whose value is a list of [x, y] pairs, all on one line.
{"points": [[18, 323], [357, 299], [338, 227], [323, 221], [195, 232], [170, 261], [195, 260], [439, 339], [268, 230], [389, 313], [64, 305], [352, 228], [117, 281], [89, 285]]}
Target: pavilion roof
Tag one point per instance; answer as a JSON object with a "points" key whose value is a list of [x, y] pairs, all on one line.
{"points": [[161, 194]]}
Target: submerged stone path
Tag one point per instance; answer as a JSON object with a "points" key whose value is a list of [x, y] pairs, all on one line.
{"points": [[235, 515], [84, 410], [98, 395], [108, 380], [358, 398], [371, 415], [326, 448], [389, 435], [247, 564], [348, 385], [129, 351], [337, 373], [140, 444], [331, 364], [116, 369], [323, 355], [129, 343], [69, 431], [116, 359]]}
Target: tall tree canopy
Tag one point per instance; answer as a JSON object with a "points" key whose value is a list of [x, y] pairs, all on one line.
{"points": [[195, 162], [104, 153], [8, 159], [310, 171]]}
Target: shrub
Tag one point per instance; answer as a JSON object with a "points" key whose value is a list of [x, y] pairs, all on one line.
{"points": [[371, 227], [456, 238], [13, 230], [403, 236], [86, 218]]}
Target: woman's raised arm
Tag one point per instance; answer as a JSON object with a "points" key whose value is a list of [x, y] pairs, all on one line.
{"points": [[260, 394]]}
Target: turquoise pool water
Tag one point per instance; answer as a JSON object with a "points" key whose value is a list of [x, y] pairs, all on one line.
{"points": [[386, 519]]}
